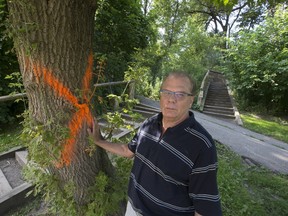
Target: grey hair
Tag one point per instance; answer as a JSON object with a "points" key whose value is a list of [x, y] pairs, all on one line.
{"points": [[182, 74]]}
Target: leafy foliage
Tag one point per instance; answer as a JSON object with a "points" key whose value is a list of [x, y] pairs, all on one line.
{"points": [[9, 66], [244, 190], [144, 71], [182, 45], [194, 52], [105, 196], [258, 65], [109, 192], [9, 137], [120, 30], [116, 120]]}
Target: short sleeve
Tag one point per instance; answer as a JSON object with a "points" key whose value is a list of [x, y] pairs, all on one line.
{"points": [[132, 145]]}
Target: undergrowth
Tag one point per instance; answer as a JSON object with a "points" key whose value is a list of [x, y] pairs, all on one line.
{"points": [[244, 190]]}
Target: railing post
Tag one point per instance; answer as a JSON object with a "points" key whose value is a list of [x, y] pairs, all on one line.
{"points": [[203, 91], [131, 89], [115, 104]]}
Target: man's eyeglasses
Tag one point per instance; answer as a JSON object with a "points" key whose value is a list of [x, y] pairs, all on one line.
{"points": [[178, 95]]}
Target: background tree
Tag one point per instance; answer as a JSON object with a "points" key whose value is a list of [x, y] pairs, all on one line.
{"points": [[121, 29], [194, 51], [220, 17], [167, 20], [53, 41], [182, 42], [226, 17], [258, 65]]}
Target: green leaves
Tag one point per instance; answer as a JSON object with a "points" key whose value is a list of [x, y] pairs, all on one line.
{"points": [[107, 193], [115, 119], [120, 29], [258, 64]]}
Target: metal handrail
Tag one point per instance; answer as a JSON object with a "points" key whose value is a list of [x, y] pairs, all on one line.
{"points": [[112, 83], [22, 95], [12, 97]]}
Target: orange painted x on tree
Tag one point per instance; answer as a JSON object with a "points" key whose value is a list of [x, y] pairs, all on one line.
{"points": [[83, 113]]}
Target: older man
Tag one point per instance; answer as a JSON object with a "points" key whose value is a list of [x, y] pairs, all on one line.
{"points": [[175, 161]]}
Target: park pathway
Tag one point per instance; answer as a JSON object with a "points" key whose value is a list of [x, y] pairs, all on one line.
{"points": [[263, 150]]}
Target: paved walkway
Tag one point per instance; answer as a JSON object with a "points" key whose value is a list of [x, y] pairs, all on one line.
{"points": [[264, 150]]}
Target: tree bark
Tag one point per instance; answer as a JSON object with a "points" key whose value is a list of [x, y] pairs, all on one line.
{"points": [[53, 41]]}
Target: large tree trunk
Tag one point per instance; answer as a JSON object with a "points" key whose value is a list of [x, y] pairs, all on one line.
{"points": [[53, 40]]}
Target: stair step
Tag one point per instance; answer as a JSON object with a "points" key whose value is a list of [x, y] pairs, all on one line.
{"points": [[145, 113], [211, 91], [21, 157], [220, 111], [220, 115], [218, 93], [217, 88], [125, 132], [221, 104], [146, 108], [218, 99], [219, 107], [5, 187], [218, 84]]}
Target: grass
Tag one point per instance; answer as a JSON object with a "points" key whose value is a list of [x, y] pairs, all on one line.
{"points": [[249, 190], [9, 137], [244, 190], [275, 128]]}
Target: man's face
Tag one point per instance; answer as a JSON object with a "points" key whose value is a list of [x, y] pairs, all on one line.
{"points": [[173, 108]]}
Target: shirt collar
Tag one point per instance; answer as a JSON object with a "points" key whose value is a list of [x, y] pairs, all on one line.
{"points": [[185, 123]]}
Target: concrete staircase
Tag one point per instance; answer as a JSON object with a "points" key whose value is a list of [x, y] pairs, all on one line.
{"points": [[218, 102]]}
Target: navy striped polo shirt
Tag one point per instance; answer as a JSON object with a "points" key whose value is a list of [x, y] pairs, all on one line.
{"points": [[174, 174]]}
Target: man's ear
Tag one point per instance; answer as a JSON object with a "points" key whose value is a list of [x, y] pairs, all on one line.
{"points": [[192, 99]]}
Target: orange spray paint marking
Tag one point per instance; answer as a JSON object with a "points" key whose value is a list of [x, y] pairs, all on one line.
{"points": [[87, 77], [83, 113]]}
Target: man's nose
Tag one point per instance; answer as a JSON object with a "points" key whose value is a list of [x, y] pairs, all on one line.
{"points": [[172, 97]]}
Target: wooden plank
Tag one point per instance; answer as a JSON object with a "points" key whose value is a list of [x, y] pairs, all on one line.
{"points": [[21, 157], [15, 197], [11, 153], [4, 184]]}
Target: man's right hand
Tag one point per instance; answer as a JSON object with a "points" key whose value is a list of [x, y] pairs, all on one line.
{"points": [[115, 148], [95, 132]]}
